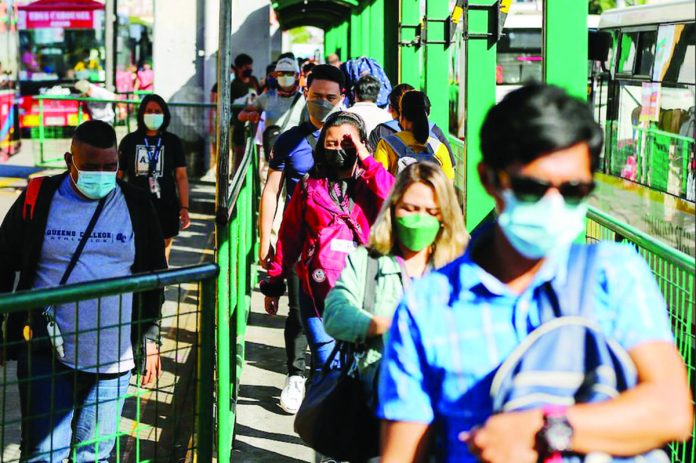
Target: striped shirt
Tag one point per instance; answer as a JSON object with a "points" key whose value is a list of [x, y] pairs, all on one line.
{"points": [[457, 325]]}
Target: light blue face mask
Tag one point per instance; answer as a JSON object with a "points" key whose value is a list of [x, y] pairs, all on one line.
{"points": [[538, 229], [95, 185], [153, 121]]}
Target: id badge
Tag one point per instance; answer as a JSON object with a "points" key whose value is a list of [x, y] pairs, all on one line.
{"points": [[154, 186]]}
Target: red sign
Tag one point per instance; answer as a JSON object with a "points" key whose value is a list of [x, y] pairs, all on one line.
{"points": [[57, 19]]}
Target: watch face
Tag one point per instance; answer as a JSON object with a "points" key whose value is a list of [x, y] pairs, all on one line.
{"points": [[558, 434]]}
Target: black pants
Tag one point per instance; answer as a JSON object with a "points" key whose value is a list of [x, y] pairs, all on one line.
{"points": [[295, 339]]}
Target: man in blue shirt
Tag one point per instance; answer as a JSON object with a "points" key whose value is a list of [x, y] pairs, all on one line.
{"points": [[290, 159], [458, 324]]}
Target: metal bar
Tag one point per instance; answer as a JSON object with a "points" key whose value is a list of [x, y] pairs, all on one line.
{"points": [[480, 97], [206, 359], [671, 255], [224, 113], [437, 64], [565, 45], [22, 300], [42, 134], [410, 57]]}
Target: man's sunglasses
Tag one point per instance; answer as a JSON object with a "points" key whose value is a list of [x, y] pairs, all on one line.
{"points": [[530, 189]]}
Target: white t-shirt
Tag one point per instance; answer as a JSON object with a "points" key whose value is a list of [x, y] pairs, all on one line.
{"points": [[372, 114]]}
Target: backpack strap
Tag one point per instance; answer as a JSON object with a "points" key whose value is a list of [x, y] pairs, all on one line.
{"points": [[394, 125], [575, 296], [398, 145], [370, 283], [32, 196]]}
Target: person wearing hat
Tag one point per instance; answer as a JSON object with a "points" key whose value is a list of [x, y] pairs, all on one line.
{"points": [[285, 104], [100, 111]]}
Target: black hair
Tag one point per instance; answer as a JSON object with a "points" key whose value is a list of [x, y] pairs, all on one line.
{"points": [[367, 88], [141, 112], [326, 72], [535, 120], [308, 66], [271, 67], [287, 54], [396, 94], [415, 107], [242, 60], [335, 120], [95, 133]]}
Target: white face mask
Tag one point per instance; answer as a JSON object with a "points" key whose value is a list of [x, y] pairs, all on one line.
{"points": [[287, 81]]}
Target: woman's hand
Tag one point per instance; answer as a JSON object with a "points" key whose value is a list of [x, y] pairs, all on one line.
{"points": [[349, 144], [184, 218], [379, 326]]}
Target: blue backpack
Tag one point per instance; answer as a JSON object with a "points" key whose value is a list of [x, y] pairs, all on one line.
{"points": [[354, 69], [407, 155], [568, 359]]}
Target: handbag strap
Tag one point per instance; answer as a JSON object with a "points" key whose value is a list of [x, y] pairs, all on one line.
{"points": [[370, 283], [290, 111], [83, 242]]}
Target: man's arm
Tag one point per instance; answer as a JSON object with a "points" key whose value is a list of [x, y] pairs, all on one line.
{"points": [[657, 411], [11, 235], [267, 212], [404, 441], [250, 113]]}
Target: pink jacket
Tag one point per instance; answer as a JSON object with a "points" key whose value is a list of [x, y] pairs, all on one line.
{"points": [[320, 234]]}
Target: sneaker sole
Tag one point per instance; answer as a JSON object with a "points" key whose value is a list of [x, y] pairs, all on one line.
{"points": [[287, 409]]}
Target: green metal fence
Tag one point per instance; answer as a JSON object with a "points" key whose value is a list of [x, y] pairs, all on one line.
{"points": [[193, 123], [674, 272], [459, 152], [236, 250], [661, 160], [170, 420]]}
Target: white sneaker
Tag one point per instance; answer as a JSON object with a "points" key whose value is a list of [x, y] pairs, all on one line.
{"points": [[293, 393]]}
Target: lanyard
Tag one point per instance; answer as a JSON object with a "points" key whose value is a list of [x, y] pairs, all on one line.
{"points": [[153, 157]]}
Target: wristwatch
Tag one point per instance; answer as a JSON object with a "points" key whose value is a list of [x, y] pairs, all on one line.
{"points": [[557, 433]]}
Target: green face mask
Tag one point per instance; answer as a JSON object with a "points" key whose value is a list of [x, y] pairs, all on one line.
{"points": [[417, 231]]}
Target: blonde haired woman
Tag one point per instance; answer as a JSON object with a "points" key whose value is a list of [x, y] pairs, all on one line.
{"points": [[419, 227]]}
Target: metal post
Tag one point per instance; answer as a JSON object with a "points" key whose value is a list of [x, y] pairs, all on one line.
{"points": [[110, 25], [480, 97], [410, 56], [355, 34], [565, 45], [222, 229], [329, 41], [437, 63], [343, 37], [42, 133], [206, 359], [377, 30], [365, 30]]}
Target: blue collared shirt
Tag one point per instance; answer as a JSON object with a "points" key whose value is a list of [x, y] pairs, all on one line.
{"points": [[458, 324]]}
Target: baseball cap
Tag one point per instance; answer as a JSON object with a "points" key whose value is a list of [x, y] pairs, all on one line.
{"points": [[287, 65]]}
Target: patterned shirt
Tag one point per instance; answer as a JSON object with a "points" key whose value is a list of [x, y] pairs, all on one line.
{"points": [[457, 325]]}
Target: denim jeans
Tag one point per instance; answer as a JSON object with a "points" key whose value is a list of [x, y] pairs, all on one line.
{"points": [[83, 419], [320, 343]]}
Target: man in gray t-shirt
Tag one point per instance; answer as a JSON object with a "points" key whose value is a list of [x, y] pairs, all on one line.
{"points": [[86, 368]]}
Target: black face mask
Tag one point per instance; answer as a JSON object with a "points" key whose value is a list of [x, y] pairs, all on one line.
{"points": [[340, 160], [247, 72]]}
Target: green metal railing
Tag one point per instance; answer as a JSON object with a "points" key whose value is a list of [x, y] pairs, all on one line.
{"points": [[170, 421], [236, 243], [661, 160], [674, 272], [459, 152]]}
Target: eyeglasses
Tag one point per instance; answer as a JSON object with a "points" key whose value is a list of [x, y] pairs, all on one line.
{"points": [[530, 189]]}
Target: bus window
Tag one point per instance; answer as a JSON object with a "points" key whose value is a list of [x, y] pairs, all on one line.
{"points": [[646, 52], [519, 56], [676, 47], [627, 52]]}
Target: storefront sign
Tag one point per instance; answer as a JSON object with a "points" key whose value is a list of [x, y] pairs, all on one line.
{"points": [[59, 19]]}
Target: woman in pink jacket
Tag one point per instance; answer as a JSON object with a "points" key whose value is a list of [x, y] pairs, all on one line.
{"points": [[329, 215]]}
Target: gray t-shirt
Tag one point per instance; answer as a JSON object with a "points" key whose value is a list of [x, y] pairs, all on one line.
{"points": [[103, 343], [279, 109]]}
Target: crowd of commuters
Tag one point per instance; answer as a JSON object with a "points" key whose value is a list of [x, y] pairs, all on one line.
{"points": [[457, 340]]}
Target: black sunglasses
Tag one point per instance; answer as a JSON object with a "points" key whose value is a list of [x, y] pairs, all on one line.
{"points": [[530, 189]]}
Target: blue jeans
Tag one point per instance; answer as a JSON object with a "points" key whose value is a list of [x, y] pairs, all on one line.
{"points": [[83, 419], [320, 343]]}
